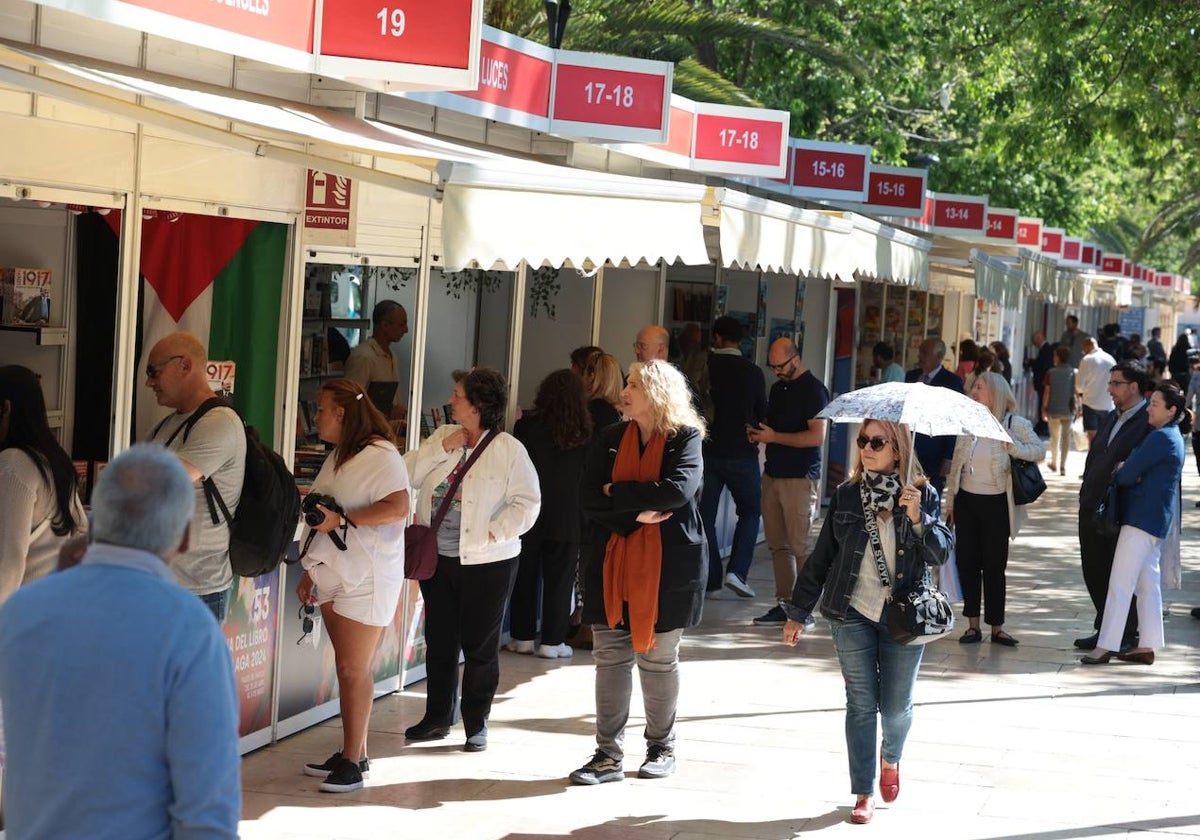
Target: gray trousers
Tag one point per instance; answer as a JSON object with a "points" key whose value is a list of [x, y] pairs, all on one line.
{"points": [[658, 670]]}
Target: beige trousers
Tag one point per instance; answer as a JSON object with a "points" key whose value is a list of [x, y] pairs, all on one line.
{"points": [[788, 506]]}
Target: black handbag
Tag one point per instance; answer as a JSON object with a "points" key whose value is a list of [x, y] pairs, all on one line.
{"points": [[1027, 481], [1107, 517], [918, 615]]}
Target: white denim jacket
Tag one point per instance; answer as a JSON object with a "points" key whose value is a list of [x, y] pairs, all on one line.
{"points": [[500, 494], [1026, 445]]}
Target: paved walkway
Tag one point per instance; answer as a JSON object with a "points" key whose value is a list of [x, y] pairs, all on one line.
{"points": [[1006, 743]]}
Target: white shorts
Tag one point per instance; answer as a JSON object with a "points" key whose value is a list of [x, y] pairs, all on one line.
{"points": [[371, 602]]}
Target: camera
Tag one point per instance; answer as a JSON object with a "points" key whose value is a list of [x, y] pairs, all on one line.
{"points": [[314, 517]]}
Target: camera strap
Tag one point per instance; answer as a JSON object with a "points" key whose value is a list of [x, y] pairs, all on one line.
{"points": [[339, 542]]}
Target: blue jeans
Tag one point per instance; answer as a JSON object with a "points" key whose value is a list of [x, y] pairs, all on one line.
{"points": [[742, 477], [879, 675], [218, 602]]}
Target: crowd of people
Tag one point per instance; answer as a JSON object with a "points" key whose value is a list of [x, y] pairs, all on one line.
{"points": [[594, 524]]}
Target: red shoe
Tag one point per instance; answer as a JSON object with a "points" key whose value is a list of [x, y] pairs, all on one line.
{"points": [[889, 782], [864, 809]]}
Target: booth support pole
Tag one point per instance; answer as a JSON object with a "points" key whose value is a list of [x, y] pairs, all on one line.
{"points": [[416, 401], [288, 386], [597, 305], [660, 293], [513, 374], [124, 350]]}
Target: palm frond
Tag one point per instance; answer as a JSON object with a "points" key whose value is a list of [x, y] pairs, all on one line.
{"points": [[695, 81]]}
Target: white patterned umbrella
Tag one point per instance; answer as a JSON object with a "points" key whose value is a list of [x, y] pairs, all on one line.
{"points": [[926, 410], [923, 408]]}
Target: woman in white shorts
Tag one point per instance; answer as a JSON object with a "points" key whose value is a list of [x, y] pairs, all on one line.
{"points": [[357, 587]]}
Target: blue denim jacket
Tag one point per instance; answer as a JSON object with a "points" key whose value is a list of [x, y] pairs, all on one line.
{"points": [[834, 564]]}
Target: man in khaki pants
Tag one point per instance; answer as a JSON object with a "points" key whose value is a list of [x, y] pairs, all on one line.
{"points": [[789, 489]]}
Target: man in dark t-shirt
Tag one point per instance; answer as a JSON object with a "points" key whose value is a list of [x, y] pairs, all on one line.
{"points": [[790, 481], [738, 393]]}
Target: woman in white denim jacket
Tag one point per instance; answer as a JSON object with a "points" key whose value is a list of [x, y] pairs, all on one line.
{"points": [[479, 541], [979, 505]]}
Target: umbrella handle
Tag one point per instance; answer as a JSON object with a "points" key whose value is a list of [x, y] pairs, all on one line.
{"points": [[912, 454]]}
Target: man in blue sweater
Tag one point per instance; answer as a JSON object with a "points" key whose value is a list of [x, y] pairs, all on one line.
{"points": [[117, 685], [738, 391]]}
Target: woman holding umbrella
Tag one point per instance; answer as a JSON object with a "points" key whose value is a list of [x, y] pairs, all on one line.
{"points": [[979, 505], [876, 512]]}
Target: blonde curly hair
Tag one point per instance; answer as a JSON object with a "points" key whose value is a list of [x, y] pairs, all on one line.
{"points": [[669, 397]]}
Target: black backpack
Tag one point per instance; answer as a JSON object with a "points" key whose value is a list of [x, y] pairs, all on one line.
{"points": [[265, 523]]}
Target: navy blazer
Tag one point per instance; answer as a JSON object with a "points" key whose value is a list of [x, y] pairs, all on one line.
{"points": [[1150, 481], [932, 451]]}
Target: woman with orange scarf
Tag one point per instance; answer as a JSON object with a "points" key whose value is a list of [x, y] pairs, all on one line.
{"points": [[646, 563]]}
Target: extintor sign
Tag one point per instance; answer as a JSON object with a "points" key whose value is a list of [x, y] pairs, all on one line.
{"points": [[329, 209]]}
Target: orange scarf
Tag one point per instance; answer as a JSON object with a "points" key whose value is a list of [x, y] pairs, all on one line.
{"points": [[633, 564]]}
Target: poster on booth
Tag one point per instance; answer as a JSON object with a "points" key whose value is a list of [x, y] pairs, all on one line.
{"points": [[250, 633], [221, 377], [25, 293]]}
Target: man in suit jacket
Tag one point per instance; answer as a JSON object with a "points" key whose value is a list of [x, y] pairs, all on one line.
{"points": [[1037, 365], [1120, 431], [932, 452]]}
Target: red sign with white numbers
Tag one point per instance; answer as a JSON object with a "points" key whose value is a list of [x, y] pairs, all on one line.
{"points": [[1052, 241], [1029, 232], [434, 33], [830, 170], [1087, 254], [1072, 247], [1001, 225], [895, 191], [740, 141], [607, 97], [958, 213], [1112, 263]]}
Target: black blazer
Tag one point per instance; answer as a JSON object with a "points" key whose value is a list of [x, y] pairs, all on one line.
{"points": [[1103, 457], [685, 548], [558, 473], [932, 451]]}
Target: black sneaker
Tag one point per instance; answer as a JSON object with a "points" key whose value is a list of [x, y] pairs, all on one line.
{"points": [[344, 778], [426, 730], [773, 616], [330, 764], [601, 768], [659, 763]]}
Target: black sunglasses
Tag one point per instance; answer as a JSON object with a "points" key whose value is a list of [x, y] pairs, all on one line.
{"points": [[306, 621], [152, 371], [782, 365], [876, 443]]}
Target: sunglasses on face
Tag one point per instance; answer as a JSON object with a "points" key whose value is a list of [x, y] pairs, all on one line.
{"points": [[152, 371], [876, 443], [782, 366]]}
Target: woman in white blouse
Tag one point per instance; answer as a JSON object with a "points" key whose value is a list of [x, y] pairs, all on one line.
{"points": [[979, 505]]}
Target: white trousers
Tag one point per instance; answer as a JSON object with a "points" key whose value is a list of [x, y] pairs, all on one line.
{"points": [[1134, 572]]}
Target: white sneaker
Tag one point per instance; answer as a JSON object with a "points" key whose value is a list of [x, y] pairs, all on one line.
{"points": [[732, 581], [520, 646], [563, 651]]}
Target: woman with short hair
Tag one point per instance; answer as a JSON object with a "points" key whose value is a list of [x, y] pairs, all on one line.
{"points": [[478, 540], [979, 506], [353, 560], [646, 563]]}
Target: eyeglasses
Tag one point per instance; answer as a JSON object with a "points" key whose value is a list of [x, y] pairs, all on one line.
{"points": [[781, 367], [152, 371], [1112, 383], [876, 443]]}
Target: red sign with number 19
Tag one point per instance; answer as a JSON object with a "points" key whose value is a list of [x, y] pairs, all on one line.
{"points": [[435, 33]]}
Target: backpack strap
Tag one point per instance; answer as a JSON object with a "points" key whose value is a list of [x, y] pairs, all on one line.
{"points": [[211, 495]]}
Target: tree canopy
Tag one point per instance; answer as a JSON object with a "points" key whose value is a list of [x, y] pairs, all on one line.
{"points": [[1083, 112]]}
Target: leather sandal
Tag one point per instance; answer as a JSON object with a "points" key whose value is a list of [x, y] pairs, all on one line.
{"points": [[1002, 638]]}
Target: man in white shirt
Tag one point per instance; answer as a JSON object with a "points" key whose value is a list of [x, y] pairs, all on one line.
{"points": [[1092, 384]]}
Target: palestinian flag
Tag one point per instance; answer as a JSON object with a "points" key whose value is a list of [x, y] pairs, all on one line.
{"points": [[222, 280]]}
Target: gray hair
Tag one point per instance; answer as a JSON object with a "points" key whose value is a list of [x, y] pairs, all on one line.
{"points": [[144, 499]]}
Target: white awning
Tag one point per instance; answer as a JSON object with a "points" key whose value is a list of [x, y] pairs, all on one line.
{"points": [[757, 233], [1092, 288], [997, 281], [510, 211], [882, 252], [1041, 276]]}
